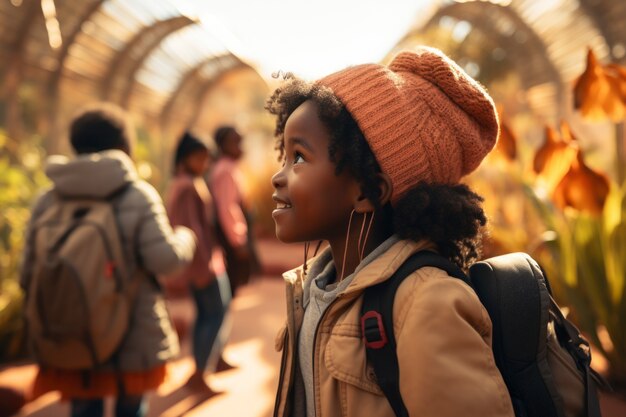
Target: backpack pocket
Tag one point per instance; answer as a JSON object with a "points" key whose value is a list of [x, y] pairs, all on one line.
{"points": [[61, 303], [566, 376]]}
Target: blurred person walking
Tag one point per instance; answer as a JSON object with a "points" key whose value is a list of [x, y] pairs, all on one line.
{"points": [[114, 311], [233, 220], [190, 204]]}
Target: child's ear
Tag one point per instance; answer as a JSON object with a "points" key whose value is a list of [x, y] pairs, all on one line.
{"points": [[386, 188], [364, 205]]}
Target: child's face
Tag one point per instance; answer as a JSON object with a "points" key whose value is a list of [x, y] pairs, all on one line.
{"points": [[197, 162], [232, 145], [312, 203]]}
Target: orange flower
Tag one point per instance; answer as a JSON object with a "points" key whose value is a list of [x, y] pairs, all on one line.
{"points": [[505, 150], [507, 143], [567, 135], [599, 91], [554, 157], [616, 105], [582, 188]]}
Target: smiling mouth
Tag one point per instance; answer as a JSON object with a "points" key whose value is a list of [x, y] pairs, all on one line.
{"points": [[281, 206]]}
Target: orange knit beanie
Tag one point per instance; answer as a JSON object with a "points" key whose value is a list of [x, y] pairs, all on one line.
{"points": [[423, 117]]}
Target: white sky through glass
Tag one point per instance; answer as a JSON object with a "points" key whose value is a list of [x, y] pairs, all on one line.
{"points": [[308, 38]]}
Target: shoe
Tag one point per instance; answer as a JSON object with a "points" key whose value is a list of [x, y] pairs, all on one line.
{"points": [[197, 383]]}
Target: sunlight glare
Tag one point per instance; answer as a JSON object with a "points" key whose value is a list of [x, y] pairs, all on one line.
{"points": [[310, 39]]}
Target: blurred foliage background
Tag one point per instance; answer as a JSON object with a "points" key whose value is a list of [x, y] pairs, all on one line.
{"points": [[21, 179], [554, 187]]}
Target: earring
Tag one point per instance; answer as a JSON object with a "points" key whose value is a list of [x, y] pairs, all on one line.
{"points": [[367, 234], [317, 248], [345, 249], [358, 246]]}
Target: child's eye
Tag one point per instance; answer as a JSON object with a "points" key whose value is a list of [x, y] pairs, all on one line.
{"points": [[297, 158]]}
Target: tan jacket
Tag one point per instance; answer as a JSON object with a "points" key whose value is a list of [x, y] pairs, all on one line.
{"points": [[443, 338], [150, 245]]}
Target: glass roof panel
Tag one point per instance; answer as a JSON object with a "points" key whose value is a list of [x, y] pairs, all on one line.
{"points": [[565, 30], [180, 52], [109, 31]]}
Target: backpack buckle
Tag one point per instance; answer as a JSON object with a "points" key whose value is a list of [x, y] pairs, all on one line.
{"points": [[373, 330]]}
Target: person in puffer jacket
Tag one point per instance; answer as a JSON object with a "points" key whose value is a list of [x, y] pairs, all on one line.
{"points": [[102, 138], [372, 158]]}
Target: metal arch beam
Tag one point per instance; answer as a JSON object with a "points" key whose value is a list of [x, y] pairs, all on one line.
{"points": [[200, 92], [197, 98], [522, 59], [190, 79], [128, 61], [12, 78], [16, 50], [52, 86], [208, 84], [185, 81], [460, 11], [54, 81]]}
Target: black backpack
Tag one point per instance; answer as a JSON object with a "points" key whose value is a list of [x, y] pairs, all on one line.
{"points": [[544, 360]]}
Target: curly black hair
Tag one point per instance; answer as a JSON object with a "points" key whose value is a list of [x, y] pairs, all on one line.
{"points": [[99, 127], [450, 216]]}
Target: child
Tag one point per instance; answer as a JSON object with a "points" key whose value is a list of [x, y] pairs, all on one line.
{"points": [[103, 140], [190, 204], [372, 158]]}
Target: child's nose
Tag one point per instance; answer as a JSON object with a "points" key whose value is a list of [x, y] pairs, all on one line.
{"points": [[279, 179]]}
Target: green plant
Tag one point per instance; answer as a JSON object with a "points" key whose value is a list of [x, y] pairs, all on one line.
{"points": [[587, 256], [582, 214], [21, 179]]}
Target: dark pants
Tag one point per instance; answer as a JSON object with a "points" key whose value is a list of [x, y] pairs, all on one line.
{"points": [[212, 304], [238, 271], [126, 406]]}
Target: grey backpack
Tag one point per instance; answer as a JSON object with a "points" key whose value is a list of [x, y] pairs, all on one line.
{"points": [[79, 297]]}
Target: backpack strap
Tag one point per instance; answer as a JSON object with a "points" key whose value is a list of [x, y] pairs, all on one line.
{"points": [[377, 323], [115, 197]]}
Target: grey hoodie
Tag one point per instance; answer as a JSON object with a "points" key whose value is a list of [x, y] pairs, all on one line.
{"points": [[150, 244]]}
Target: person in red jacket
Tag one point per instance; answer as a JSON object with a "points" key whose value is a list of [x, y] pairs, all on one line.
{"points": [[190, 204]]}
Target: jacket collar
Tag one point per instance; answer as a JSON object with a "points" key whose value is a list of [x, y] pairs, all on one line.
{"points": [[378, 270]]}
